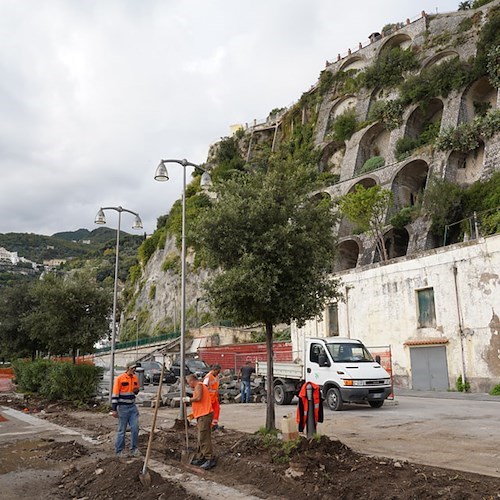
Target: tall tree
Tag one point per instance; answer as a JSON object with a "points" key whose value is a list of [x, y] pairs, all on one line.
{"points": [[15, 304], [367, 208], [69, 313], [273, 245]]}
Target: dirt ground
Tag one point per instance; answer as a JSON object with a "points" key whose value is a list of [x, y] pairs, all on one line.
{"points": [[262, 467]]}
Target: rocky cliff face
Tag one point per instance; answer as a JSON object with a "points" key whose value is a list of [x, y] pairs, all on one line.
{"points": [[378, 116]]}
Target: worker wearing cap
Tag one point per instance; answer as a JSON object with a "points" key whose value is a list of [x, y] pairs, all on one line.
{"points": [[202, 411], [123, 407], [211, 380]]}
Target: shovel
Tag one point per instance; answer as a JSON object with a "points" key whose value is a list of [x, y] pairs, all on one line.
{"points": [[144, 476], [186, 455]]}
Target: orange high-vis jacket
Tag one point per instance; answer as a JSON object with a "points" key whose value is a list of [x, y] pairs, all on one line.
{"points": [[212, 384], [123, 390], [204, 406], [302, 408]]}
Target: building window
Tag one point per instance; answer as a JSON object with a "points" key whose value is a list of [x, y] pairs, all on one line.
{"points": [[333, 320], [426, 308]]}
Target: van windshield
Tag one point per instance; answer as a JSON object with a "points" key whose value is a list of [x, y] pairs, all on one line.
{"points": [[345, 353]]}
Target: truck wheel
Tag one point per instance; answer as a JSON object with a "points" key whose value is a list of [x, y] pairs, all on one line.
{"points": [[376, 404], [280, 395], [334, 399], [289, 397]]}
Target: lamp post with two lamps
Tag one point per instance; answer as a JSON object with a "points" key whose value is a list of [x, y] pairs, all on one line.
{"points": [[161, 175], [100, 218]]}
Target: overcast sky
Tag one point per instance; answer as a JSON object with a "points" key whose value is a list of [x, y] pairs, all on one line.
{"points": [[93, 93]]}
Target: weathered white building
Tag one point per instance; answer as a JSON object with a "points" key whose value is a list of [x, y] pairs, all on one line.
{"points": [[439, 311]]}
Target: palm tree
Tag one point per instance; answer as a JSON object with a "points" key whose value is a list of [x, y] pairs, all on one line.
{"points": [[464, 5]]}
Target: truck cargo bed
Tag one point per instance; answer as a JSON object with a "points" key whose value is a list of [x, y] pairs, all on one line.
{"points": [[282, 370]]}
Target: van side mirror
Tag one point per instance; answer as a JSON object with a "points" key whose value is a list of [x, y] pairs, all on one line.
{"points": [[323, 360], [377, 359]]}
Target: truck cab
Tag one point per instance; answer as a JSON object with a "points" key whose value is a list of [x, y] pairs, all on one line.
{"points": [[345, 371]]}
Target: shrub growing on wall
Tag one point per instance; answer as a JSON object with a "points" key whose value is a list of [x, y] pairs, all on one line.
{"points": [[372, 163]]}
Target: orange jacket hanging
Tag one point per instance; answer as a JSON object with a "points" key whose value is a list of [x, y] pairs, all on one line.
{"points": [[302, 408]]}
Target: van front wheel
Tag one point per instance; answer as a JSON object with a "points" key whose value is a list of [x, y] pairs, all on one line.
{"points": [[334, 399]]}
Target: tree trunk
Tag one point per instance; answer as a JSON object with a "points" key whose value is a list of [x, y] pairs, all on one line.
{"points": [[270, 416]]}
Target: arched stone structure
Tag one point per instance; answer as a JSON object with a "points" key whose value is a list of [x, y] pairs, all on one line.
{"points": [[331, 158], [346, 227], [396, 244], [409, 183], [439, 58], [375, 142], [422, 117], [340, 106], [465, 168], [347, 255], [402, 40], [356, 62], [477, 99]]}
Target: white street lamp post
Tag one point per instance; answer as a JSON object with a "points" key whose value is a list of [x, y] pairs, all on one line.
{"points": [[100, 218], [161, 175]]}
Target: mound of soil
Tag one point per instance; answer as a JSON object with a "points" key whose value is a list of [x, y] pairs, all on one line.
{"points": [[323, 468], [116, 478]]}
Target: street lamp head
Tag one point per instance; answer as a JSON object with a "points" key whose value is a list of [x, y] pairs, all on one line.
{"points": [[137, 223], [100, 218], [206, 180], [161, 173]]}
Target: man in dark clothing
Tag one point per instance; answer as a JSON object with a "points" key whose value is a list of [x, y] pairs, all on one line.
{"points": [[245, 374]]}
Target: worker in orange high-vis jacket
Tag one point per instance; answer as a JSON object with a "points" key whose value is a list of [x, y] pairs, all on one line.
{"points": [[203, 412], [211, 380], [123, 407]]}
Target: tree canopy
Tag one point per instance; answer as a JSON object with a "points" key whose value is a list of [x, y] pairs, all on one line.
{"points": [[274, 247], [57, 314]]}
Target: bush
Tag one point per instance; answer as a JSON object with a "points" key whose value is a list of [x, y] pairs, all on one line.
{"points": [[30, 376], [462, 386], [437, 81], [372, 163], [388, 69], [58, 381], [495, 391], [390, 113], [404, 217], [344, 125], [405, 146]]}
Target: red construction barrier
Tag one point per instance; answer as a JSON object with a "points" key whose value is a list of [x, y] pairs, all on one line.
{"points": [[234, 356]]}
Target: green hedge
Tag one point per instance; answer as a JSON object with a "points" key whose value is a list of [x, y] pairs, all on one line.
{"points": [[58, 381]]}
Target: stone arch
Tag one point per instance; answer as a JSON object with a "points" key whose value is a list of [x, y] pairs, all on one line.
{"points": [[422, 117], [402, 40], [346, 227], [347, 255], [375, 142], [331, 158], [409, 184], [465, 168], [340, 106], [321, 195], [356, 62], [477, 99], [396, 243], [439, 58]]}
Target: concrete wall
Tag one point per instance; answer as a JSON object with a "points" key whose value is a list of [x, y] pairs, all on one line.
{"points": [[380, 308]]}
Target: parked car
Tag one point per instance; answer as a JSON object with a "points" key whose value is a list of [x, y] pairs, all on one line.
{"points": [[193, 365], [152, 372]]}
